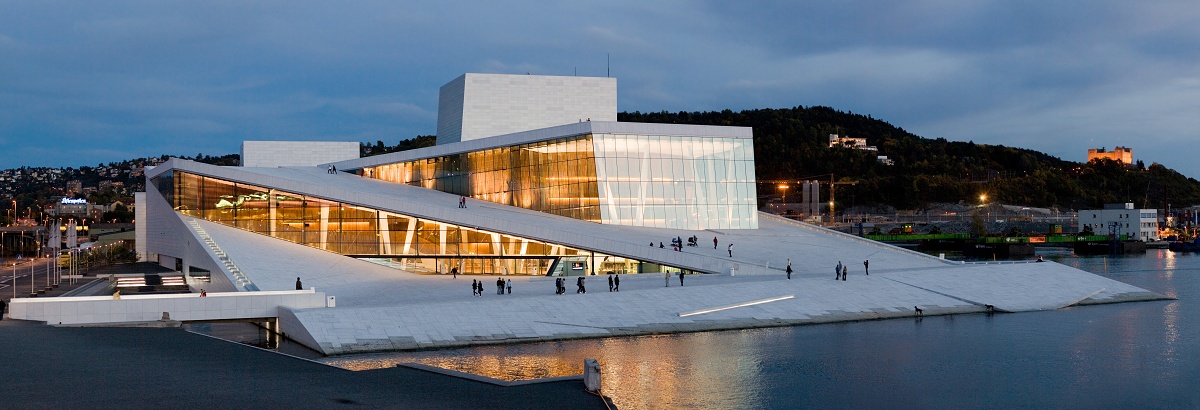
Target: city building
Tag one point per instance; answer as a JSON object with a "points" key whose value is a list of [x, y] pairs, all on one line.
{"points": [[568, 195], [1120, 154], [1121, 219], [389, 208]]}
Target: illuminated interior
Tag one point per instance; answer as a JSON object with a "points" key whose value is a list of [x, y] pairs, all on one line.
{"points": [[682, 182], [401, 241]]}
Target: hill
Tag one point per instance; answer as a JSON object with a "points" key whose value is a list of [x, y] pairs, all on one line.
{"points": [[793, 144]]}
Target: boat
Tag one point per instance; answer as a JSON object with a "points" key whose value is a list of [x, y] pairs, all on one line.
{"points": [[1181, 246]]}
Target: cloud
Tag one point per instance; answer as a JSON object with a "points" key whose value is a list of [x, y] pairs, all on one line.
{"points": [[128, 76]]}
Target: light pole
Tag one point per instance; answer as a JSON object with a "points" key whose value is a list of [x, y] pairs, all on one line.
{"points": [[783, 188]]}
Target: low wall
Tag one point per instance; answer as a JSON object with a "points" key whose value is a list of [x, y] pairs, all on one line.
{"points": [[145, 308]]}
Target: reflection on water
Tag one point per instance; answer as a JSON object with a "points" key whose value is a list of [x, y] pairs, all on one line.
{"points": [[1129, 355]]}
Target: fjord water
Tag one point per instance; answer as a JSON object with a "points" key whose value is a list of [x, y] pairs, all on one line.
{"points": [[1127, 355]]}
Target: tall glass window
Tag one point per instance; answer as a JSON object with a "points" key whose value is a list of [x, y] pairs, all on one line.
{"points": [[411, 243], [683, 182]]}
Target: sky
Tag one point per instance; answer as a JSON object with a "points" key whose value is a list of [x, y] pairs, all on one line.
{"points": [[85, 83]]}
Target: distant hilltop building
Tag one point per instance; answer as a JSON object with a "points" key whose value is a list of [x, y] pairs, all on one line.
{"points": [[847, 142], [1120, 154], [858, 143]]}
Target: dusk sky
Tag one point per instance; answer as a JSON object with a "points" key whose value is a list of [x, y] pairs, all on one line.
{"points": [[83, 83]]}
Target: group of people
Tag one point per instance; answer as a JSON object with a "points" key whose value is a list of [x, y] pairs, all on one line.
{"points": [[614, 282], [677, 244], [839, 272], [331, 169], [501, 286], [560, 285]]}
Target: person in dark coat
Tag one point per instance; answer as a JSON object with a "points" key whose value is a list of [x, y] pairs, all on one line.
{"points": [[866, 266], [454, 271], [610, 282], [2, 306], [680, 278], [579, 283], [617, 283], [789, 268], [298, 285]]}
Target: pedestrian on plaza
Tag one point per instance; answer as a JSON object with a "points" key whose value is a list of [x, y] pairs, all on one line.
{"points": [[789, 269], [844, 274], [454, 271], [730, 250], [499, 285], [610, 282], [474, 287], [866, 266], [579, 283], [714, 242], [681, 278], [333, 168], [2, 306], [666, 279], [617, 283], [837, 271], [298, 285], [509, 285], [203, 294], [660, 245]]}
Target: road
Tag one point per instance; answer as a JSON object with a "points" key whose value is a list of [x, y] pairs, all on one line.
{"points": [[41, 283]]}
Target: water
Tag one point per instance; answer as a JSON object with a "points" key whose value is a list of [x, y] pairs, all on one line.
{"points": [[1130, 355]]}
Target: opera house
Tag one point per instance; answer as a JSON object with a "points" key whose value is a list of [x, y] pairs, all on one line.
{"points": [[533, 179]]}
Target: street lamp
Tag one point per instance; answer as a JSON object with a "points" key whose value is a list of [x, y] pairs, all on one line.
{"points": [[784, 188]]}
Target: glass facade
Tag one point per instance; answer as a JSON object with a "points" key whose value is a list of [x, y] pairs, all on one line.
{"points": [[402, 241], [677, 182]]}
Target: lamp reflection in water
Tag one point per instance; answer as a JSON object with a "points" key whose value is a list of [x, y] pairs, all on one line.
{"points": [[638, 372]]}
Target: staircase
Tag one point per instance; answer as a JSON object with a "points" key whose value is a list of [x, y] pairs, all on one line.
{"points": [[242, 282]]}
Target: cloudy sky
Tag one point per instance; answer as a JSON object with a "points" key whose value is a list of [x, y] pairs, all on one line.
{"points": [[83, 83]]}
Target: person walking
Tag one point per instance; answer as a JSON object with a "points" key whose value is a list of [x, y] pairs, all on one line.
{"points": [[730, 250], [509, 285], [617, 283], [499, 285], [837, 271], [2, 306], [610, 282], [789, 269], [298, 285], [579, 285], [454, 272], [680, 278], [714, 242], [474, 287], [844, 273], [866, 266]]}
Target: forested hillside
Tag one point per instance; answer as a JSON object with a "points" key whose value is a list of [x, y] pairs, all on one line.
{"points": [[793, 144]]}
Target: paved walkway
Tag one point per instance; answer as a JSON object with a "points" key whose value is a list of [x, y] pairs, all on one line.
{"points": [[380, 308]]}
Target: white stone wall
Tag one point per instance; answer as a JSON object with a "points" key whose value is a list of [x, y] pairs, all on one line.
{"points": [[477, 106], [146, 308], [296, 153]]}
